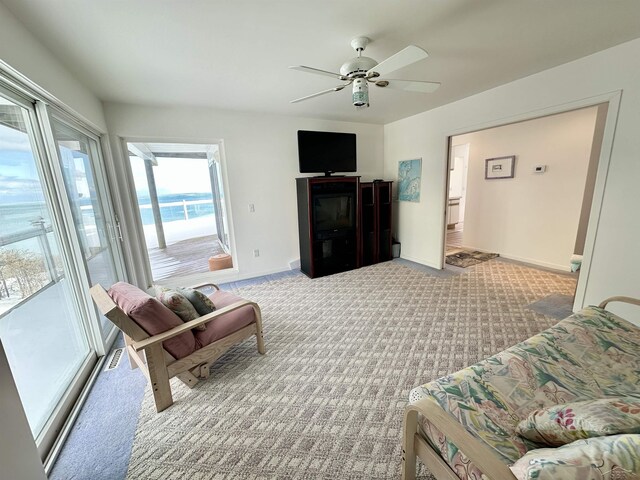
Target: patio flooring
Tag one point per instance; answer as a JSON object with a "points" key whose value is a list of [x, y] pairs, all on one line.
{"points": [[184, 257]]}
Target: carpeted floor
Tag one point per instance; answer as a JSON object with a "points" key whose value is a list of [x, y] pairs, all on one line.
{"points": [[555, 305], [327, 400], [99, 445], [105, 427]]}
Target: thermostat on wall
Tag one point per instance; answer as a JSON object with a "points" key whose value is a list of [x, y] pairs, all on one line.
{"points": [[539, 169]]}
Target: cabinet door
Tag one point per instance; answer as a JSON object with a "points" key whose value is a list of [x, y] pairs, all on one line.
{"points": [[368, 235], [383, 206], [333, 226]]}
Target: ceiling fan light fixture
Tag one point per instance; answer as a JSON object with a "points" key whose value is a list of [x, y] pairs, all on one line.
{"points": [[360, 96], [361, 70]]}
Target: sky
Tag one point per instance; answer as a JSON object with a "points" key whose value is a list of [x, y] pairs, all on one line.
{"points": [[19, 181], [173, 176], [19, 176]]}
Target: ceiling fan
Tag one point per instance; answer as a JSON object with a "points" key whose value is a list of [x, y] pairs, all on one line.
{"points": [[360, 71]]}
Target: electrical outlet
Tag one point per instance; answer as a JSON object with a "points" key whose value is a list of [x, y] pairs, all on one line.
{"points": [[252, 209], [256, 253]]}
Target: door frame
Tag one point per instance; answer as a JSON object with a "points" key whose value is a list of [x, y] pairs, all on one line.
{"points": [[137, 258], [613, 100]]}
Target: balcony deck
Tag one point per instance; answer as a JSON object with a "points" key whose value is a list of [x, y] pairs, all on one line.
{"points": [[184, 257]]}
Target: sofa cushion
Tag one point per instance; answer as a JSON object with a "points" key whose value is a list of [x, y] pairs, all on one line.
{"points": [[178, 304], [591, 354], [227, 323], [567, 422], [614, 457], [152, 317]]}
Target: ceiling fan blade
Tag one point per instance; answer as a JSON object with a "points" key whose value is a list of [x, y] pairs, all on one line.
{"points": [[317, 71], [404, 57], [334, 89], [410, 85]]}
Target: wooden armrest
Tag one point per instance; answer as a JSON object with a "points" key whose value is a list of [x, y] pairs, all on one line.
{"points": [[205, 285], [478, 452], [631, 300], [161, 337]]}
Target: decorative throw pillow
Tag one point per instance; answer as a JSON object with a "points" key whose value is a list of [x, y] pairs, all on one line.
{"points": [[178, 304], [601, 458], [565, 423], [199, 300]]}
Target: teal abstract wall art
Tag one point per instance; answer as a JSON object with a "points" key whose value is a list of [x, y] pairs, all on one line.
{"points": [[409, 178]]}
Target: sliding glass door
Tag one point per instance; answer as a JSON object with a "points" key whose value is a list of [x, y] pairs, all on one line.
{"points": [[41, 319], [81, 166]]}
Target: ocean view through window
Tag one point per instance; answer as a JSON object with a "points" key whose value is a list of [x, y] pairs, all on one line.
{"points": [[80, 159]]}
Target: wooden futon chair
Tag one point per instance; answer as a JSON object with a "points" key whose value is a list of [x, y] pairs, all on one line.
{"points": [[163, 346]]}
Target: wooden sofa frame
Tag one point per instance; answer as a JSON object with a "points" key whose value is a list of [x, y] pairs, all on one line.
{"points": [[415, 446], [158, 365]]}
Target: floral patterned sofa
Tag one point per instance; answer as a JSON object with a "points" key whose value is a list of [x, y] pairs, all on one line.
{"points": [[464, 425]]}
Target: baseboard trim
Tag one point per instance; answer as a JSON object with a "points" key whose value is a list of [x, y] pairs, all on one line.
{"points": [[552, 266]]}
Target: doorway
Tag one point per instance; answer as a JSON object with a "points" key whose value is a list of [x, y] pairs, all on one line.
{"points": [[458, 170], [181, 207], [538, 211]]}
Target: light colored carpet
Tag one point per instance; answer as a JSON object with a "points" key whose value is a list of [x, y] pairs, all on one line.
{"points": [[556, 306], [327, 400]]}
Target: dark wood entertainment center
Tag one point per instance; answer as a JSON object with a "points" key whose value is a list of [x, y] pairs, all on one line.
{"points": [[343, 224]]}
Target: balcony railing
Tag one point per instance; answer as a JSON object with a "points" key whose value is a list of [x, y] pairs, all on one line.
{"points": [[29, 269]]}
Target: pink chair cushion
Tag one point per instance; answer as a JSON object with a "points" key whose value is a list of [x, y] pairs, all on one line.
{"points": [[153, 317], [227, 323]]}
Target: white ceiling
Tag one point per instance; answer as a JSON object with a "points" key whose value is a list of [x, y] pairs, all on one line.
{"points": [[234, 54]]}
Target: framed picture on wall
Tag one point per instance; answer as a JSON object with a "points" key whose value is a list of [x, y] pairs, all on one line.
{"points": [[409, 180], [499, 167]]}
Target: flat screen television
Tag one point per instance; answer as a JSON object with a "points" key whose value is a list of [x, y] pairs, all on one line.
{"points": [[326, 152]]}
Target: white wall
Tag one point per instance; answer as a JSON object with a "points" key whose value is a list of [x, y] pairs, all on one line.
{"points": [[532, 217], [25, 54], [614, 267], [261, 162]]}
